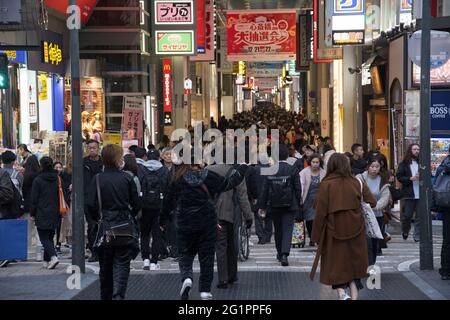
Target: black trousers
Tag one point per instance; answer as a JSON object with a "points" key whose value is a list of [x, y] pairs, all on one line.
{"points": [[114, 272], [172, 236], [284, 225], [410, 207], [374, 245], [445, 251], [226, 252], [309, 226], [92, 229], [203, 243], [46, 238], [149, 227], [263, 227]]}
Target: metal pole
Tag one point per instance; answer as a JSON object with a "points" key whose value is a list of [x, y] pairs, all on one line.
{"points": [[77, 153], [426, 241]]}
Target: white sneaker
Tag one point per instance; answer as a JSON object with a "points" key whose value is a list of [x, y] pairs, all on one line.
{"points": [[53, 263], [45, 265], [185, 288], [345, 296], [146, 264], [154, 266], [206, 295]]}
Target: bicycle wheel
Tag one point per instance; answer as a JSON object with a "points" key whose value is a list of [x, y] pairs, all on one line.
{"points": [[244, 246]]}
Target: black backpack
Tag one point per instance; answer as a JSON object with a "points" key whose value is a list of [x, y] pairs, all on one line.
{"points": [[15, 208], [280, 191], [152, 189]]}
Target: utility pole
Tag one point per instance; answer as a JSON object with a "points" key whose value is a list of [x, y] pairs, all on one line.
{"points": [[426, 240], [77, 152]]}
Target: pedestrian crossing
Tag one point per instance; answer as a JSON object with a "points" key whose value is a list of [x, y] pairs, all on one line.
{"points": [[399, 255]]}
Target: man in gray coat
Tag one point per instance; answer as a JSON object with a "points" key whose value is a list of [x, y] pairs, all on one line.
{"points": [[226, 250]]}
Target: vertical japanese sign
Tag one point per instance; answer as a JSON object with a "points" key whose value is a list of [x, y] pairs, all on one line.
{"points": [[167, 91], [133, 118], [201, 26], [304, 44], [348, 22], [209, 53], [264, 35], [174, 12]]}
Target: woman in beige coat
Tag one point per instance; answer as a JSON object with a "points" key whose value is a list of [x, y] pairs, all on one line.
{"points": [[340, 230]]}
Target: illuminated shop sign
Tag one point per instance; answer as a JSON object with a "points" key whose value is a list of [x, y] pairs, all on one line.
{"points": [[51, 53], [348, 37]]}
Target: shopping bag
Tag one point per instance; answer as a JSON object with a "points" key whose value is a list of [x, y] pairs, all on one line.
{"points": [[13, 239], [298, 234], [370, 220]]}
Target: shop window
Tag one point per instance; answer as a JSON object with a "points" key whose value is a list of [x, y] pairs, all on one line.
{"points": [[113, 123], [117, 3], [114, 104], [123, 84], [114, 18]]}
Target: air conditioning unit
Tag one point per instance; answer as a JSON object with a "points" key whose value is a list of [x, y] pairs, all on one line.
{"points": [[10, 12]]}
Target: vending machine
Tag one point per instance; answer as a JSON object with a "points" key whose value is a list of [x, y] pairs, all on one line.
{"points": [[440, 127]]}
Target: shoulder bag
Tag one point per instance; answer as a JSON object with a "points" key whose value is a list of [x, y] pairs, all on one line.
{"points": [[117, 228], [370, 220]]}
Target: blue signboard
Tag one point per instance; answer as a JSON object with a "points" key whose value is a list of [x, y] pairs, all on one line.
{"points": [[348, 7], [15, 56], [440, 111]]}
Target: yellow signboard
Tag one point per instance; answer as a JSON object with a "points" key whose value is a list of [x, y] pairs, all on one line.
{"points": [[112, 138], [42, 87], [51, 53]]}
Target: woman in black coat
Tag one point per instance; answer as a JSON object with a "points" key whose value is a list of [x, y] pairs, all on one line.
{"points": [[32, 170], [118, 193], [190, 193], [44, 208]]}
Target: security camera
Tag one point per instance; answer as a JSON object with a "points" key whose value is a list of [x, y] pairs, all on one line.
{"points": [[356, 70]]}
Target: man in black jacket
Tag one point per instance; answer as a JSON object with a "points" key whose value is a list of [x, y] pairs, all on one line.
{"points": [[358, 163], [263, 226], [408, 176], [281, 197], [154, 178], [92, 165]]}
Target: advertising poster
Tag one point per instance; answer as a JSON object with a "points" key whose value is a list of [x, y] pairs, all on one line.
{"points": [[201, 26], [112, 138], [264, 35], [86, 6], [133, 118], [440, 111]]}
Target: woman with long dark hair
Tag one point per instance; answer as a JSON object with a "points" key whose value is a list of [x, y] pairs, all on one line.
{"points": [[32, 170], [339, 228], [310, 179], [191, 191]]}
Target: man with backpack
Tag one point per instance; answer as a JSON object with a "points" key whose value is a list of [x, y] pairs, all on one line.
{"points": [[281, 198], [154, 178], [9, 159], [6, 201]]}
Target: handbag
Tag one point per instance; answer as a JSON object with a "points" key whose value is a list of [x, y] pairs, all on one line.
{"points": [[370, 220], [63, 207], [114, 231], [441, 192], [397, 191]]}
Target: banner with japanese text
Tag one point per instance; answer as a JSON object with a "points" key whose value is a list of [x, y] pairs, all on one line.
{"points": [[133, 118], [208, 53], [263, 35]]}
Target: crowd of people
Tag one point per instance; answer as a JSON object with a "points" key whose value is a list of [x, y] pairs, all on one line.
{"points": [[146, 202]]}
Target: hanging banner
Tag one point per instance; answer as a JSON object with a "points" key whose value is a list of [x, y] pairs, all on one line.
{"points": [[209, 52], [42, 87], [304, 41], [133, 118], [263, 35], [201, 26], [167, 91], [264, 70]]}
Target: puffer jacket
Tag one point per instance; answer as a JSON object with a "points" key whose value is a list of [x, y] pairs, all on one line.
{"points": [[444, 167], [191, 197], [45, 200]]}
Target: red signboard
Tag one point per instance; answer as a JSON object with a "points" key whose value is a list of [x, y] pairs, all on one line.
{"points": [[167, 89], [209, 52], [316, 33], [201, 26], [86, 7], [263, 35]]}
